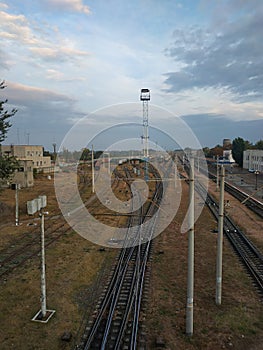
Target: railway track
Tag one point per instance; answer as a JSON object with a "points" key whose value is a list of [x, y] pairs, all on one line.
{"points": [[252, 203], [247, 252], [18, 253], [116, 322]]}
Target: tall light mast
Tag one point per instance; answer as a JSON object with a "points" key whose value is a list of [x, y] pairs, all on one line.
{"points": [[145, 97]]}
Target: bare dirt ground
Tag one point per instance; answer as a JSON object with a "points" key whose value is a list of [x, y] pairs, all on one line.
{"points": [[238, 322], [77, 271]]}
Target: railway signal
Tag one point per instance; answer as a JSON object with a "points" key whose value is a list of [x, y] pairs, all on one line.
{"points": [[16, 187]]}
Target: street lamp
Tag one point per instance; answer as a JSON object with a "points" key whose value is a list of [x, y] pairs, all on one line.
{"points": [[256, 173]]}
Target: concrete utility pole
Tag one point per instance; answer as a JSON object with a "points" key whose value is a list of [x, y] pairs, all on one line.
{"points": [[54, 151], [17, 204], [190, 275], [175, 175], [256, 173], [92, 170], [219, 257], [217, 174], [109, 160]]}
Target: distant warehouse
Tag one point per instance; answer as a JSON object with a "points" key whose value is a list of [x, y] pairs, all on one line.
{"points": [[253, 159]]}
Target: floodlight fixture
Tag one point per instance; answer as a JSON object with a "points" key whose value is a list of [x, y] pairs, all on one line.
{"points": [[145, 95]]}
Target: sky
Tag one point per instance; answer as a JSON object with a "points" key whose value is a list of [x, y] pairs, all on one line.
{"points": [[63, 60]]}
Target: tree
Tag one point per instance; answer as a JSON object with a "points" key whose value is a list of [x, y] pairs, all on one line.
{"points": [[5, 115], [216, 151], [85, 154], [7, 164], [206, 151], [238, 147], [259, 144]]}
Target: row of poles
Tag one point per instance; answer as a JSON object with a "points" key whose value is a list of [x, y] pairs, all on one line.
{"points": [[219, 257], [145, 97], [190, 274]]}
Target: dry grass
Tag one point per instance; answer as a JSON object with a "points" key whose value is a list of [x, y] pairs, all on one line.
{"points": [[236, 324], [75, 277], [75, 269]]}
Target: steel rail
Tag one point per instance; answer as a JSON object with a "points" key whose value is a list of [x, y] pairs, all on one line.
{"points": [[248, 253], [136, 261], [251, 203], [115, 283]]}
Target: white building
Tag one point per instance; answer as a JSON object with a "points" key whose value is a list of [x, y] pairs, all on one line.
{"points": [[253, 159], [227, 157]]}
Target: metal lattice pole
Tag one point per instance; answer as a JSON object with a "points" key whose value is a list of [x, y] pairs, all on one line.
{"points": [[145, 129], [145, 97]]}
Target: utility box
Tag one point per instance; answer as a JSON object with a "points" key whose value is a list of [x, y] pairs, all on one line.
{"points": [[39, 203], [36, 204], [32, 207], [43, 200]]}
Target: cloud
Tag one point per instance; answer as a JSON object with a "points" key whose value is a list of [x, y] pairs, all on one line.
{"points": [[42, 112], [68, 5], [54, 74], [228, 56], [16, 27], [42, 41], [60, 54], [4, 60], [222, 127], [24, 95], [3, 6]]}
